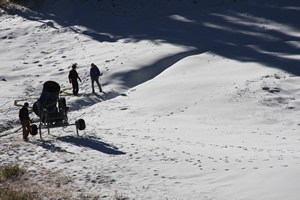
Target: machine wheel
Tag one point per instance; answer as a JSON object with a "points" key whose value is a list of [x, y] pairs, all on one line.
{"points": [[34, 130], [80, 124]]}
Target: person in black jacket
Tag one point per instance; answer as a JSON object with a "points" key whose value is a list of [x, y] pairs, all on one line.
{"points": [[73, 76], [25, 121], [95, 74]]}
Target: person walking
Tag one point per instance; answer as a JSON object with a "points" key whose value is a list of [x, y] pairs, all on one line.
{"points": [[95, 73], [25, 121], [73, 76]]}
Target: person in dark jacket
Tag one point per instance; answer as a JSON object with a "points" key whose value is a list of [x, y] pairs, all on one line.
{"points": [[95, 73], [73, 76], [25, 121]]}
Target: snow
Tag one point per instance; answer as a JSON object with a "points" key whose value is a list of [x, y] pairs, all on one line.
{"points": [[185, 113]]}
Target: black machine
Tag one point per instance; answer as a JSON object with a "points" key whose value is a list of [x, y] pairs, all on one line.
{"points": [[52, 110]]}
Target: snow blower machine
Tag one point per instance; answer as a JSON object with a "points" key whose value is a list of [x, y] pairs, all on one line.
{"points": [[52, 110]]}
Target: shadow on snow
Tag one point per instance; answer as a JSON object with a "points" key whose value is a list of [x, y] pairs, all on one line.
{"points": [[92, 143], [230, 30], [88, 142], [48, 145]]}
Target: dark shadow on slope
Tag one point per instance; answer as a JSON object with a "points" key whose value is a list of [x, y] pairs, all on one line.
{"points": [[92, 143], [85, 100], [222, 27], [222, 30], [89, 99], [265, 55]]}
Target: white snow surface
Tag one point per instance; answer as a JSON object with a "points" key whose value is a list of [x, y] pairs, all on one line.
{"points": [[201, 97]]}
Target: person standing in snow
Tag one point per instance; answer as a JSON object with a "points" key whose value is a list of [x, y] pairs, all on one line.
{"points": [[95, 73], [25, 121], [73, 76]]}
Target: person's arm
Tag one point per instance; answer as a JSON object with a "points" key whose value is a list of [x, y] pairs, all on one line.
{"points": [[78, 77], [70, 77], [98, 73]]}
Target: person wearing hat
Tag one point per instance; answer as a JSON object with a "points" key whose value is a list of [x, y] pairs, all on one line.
{"points": [[73, 76], [25, 121], [95, 73]]}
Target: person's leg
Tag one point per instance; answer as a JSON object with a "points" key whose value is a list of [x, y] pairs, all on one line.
{"points": [[93, 90], [73, 86], [97, 81], [76, 89], [26, 129], [23, 128]]}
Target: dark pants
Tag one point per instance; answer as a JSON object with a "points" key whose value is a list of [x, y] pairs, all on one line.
{"points": [[97, 81], [75, 87], [26, 128]]}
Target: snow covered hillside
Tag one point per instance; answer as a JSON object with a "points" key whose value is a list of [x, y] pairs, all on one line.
{"points": [[201, 98]]}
